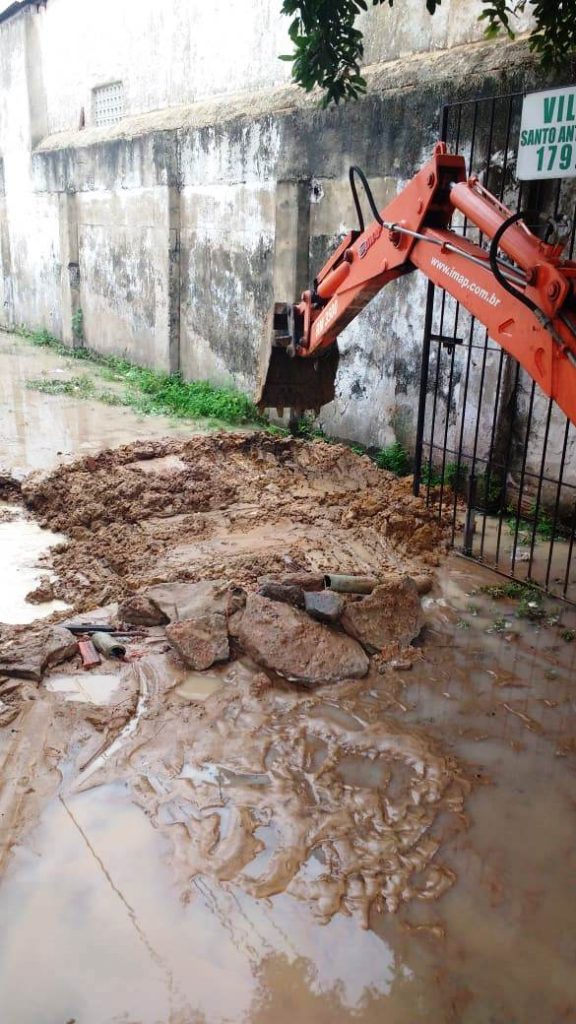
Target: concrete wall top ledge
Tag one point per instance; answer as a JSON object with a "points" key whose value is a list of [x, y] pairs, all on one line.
{"points": [[472, 62]]}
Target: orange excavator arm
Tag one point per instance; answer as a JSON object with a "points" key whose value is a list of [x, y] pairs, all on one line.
{"points": [[515, 284]]}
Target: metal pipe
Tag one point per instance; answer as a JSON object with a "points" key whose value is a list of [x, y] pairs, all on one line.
{"points": [[344, 584], [108, 646]]}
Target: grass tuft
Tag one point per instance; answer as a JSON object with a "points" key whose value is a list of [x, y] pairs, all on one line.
{"points": [[81, 387], [146, 391]]}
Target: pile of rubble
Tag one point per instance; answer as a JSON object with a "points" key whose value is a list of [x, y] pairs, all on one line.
{"points": [[296, 625], [304, 627]]}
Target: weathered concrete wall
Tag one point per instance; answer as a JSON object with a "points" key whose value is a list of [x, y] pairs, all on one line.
{"points": [[201, 50], [227, 245], [169, 230], [30, 236]]}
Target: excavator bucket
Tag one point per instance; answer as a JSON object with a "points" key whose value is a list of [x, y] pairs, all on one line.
{"points": [[291, 382]]}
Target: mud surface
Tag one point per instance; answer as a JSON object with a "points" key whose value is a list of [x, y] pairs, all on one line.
{"points": [[223, 846], [216, 856], [226, 506]]}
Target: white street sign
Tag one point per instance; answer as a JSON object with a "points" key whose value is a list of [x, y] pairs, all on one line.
{"points": [[547, 147]]}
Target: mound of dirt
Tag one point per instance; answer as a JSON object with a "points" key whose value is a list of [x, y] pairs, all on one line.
{"points": [[226, 506]]}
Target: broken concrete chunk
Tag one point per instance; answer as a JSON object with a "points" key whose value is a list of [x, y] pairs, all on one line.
{"points": [[200, 640], [60, 645], [180, 601], [141, 611], [324, 605], [392, 612], [285, 640], [26, 654], [288, 593]]}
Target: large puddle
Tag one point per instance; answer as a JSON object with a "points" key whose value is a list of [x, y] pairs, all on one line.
{"points": [[22, 544], [95, 877]]}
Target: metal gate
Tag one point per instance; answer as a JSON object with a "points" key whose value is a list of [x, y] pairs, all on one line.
{"points": [[493, 454]]}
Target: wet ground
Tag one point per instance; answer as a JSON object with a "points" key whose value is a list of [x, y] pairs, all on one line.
{"points": [[134, 896], [42, 431]]}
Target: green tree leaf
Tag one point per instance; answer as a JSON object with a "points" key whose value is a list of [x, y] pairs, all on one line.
{"points": [[328, 48]]}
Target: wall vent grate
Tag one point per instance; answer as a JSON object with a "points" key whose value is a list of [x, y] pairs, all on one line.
{"points": [[108, 103]]}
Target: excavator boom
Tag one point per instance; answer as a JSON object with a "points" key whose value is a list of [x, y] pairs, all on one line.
{"points": [[515, 284]]}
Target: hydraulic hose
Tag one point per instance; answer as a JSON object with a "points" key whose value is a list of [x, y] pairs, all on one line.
{"points": [[354, 170]]}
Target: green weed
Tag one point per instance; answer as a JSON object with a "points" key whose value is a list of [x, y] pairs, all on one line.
{"points": [[453, 475], [488, 494], [80, 387], [78, 325], [499, 591], [500, 625], [538, 521], [147, 391], [531, 605], [394, 458], [530, 599]]}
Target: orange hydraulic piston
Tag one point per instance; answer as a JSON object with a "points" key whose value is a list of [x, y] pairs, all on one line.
{"points": [[333, 280], [484, 210]]}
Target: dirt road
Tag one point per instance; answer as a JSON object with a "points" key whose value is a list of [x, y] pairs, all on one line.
{"points": [[180, 846]]}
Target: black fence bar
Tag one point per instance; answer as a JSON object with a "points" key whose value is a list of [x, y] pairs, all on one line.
{"points": [[494, 456]]}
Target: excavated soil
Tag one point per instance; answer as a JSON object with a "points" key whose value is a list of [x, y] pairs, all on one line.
{"points": [[241, 847], [348, 800], [225, 506]]}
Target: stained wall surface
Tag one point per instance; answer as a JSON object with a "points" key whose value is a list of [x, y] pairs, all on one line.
{"points": [[166, 228]]}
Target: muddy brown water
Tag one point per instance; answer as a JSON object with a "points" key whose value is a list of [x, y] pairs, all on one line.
{"points": [[41, 431], [178, 850]]}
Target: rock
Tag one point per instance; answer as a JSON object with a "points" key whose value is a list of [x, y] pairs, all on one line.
{"points": [[139, 610], [235, 600], [43, 593], [305, 580], [424, 583], [285, 640], [59, 645], [324, 605], [234, 621], [288, 593], [200, 640], [8, 713], [25, 653], [180, 601], [392, 612]]}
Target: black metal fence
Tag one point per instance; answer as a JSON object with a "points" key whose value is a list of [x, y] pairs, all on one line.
{"points": [[494, 454]]}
